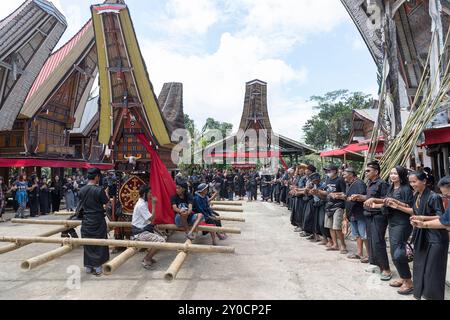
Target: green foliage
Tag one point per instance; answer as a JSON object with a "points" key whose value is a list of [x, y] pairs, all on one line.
{"points": [[211, 124], [331, 127]]}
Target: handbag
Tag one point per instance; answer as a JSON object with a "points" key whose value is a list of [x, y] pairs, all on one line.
{"points": [[409, 252]]}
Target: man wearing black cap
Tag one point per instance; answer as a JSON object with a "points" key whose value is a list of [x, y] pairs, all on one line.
{"points": [[92, 201]]}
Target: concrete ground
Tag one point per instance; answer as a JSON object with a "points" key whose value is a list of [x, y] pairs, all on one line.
{"points": [[271, 262]]}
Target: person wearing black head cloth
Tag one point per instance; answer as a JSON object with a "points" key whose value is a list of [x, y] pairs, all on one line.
{"points": [[92, 201], [430, 245], [311, 217]]}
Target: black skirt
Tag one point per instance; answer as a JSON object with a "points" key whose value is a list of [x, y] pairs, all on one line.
{"points": [[430, 264], [94, 227]]}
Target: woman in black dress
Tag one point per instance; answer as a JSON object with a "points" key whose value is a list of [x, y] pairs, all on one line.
{"points": [[44, 196], [33, 196], [56, 194], [397, 207], [430, 246]]}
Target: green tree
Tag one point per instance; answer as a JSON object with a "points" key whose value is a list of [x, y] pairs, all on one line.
{"points": [[331, 127], [212, 124]]}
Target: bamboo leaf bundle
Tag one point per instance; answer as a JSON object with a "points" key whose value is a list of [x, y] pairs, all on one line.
{"points": [[422, 113]]}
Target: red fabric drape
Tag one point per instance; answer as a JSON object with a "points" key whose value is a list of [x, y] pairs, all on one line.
{"points": [[162, 185]]}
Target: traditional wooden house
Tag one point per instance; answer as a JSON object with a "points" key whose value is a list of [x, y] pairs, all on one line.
{"points": [[255, 119], [128, 105], [27, 38], [400, 35]]}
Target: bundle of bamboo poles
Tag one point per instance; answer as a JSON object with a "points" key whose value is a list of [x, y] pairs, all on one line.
{"points": [[422, 113]]}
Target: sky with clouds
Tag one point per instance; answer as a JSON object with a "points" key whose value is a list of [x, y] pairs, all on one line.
{"points": [[300, 48]]}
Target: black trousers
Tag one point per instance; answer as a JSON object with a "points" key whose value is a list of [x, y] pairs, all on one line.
{"points": [[376, 233], [398, 238], [283, 194], [56, 203], [34, 207]]}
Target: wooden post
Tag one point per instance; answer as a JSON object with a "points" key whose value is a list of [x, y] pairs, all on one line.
{"points": [[46, 257], [175, 267], [122, 243], [113, 265]]}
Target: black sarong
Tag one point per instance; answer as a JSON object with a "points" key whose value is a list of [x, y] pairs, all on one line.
{"points": [[94, 227]]}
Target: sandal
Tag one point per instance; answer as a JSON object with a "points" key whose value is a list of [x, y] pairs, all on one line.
{"points": [[406, 291], [385, 277], [396, 284], [354, 257], [332, 249], [345, 251], [365, 260]]}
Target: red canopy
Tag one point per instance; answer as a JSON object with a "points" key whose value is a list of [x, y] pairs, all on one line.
{"points": [[437, 136], [45, 163], [355, 147]]}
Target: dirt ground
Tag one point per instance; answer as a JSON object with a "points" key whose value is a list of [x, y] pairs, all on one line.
{"points": [[271, 262]]}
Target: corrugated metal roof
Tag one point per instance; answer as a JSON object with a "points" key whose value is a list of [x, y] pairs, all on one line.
{"points": [[55, 59], [372, 114]]}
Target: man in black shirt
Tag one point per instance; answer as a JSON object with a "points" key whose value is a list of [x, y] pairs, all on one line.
{"points": [[334, 209], [355, 212], [376, 222]]}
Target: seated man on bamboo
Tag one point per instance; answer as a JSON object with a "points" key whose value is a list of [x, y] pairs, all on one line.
{"points": [[142, 225], [202, 205], [182, 203]]}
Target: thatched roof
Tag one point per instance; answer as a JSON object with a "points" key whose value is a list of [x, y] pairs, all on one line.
{"points": [[255, 114], [27, 38], [171, 103]]}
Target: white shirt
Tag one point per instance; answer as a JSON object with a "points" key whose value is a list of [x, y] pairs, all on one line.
{"points": [[141, 214]]}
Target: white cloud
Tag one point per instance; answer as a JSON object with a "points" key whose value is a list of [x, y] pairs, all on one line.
{"points": [[214, 85], [291, 20], [190, 17]]}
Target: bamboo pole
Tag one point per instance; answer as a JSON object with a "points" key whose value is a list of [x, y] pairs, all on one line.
{"points": [[122, 243], [201, 228], [227, 209], [175, 267], [14, 246], [123, 224], [35, 262], [63, 213], [113, 265], [235, 219], [228, 203]]}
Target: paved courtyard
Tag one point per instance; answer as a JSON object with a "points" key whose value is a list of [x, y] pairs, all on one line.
{"points": [[271, 262]]}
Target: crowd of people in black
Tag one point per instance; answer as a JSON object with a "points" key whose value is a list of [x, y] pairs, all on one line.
{"points": [[41, 195], [406, 207]]}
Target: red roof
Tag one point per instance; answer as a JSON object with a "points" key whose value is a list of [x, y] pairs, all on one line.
{"points": [[43, 163], [56, 58], [437, 135], [356, 147]]}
